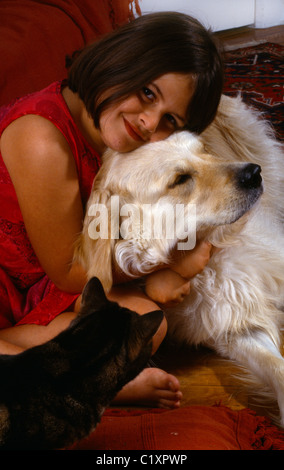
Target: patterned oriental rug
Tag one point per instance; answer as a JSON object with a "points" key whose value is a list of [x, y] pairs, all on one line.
{"points": [[257, 73]]}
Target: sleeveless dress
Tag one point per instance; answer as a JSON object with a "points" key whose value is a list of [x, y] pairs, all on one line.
{"points": [[27, 295]]}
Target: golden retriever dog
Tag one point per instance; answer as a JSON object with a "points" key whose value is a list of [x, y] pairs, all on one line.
{"points": [[226, 186]]}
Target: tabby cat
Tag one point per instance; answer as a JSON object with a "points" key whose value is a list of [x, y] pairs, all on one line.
{"points": [[54, 394]]}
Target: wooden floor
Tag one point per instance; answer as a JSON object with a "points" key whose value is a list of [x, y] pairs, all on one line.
{"points": [[248, 36], [205, 378]]}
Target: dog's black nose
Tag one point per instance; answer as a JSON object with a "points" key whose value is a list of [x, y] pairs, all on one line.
{"points": [[249, 176]]}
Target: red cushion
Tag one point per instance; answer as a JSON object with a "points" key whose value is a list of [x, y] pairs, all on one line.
{"points": [[188, 428]]}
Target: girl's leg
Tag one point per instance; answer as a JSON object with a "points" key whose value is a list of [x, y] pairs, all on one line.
{"points": [[9, 348], [153, 387], [27, 336]]}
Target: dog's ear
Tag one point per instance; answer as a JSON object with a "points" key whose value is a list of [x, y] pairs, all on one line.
{"points": [[94, 247], [100, 262]]}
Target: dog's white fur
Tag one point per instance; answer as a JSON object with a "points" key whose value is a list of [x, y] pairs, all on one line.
{"points": [[236, 304]]}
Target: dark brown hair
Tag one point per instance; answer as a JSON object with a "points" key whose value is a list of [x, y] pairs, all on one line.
{"points": [[141, 51]]}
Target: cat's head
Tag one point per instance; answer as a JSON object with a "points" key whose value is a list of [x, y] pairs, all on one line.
{"points": [[118, 328]]}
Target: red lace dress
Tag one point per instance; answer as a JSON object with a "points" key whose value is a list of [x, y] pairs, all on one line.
{"points": [[27, 295]]}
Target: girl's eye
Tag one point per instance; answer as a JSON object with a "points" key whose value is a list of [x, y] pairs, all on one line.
{"points": [[148, 93], [171, 120]]}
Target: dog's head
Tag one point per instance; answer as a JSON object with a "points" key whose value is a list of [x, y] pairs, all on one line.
{"points": [[174, 177]]}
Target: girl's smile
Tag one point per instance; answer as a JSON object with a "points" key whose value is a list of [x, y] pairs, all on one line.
{"points": [[133, 132]]}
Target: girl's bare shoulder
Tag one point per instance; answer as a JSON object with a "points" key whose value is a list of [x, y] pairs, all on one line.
{"points": [[32, 135]]}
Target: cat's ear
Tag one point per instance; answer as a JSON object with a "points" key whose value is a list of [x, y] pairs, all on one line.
{"points": [[93, 295], [149, 323]]}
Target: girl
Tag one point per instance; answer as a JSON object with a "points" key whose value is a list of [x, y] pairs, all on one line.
{"points": [[154, 76]]}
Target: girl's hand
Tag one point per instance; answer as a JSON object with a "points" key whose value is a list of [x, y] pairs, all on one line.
{"points": [[166, 287], [194, 261], [169, 286]]}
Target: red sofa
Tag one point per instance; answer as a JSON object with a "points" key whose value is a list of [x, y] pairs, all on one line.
{"points": [[36, 36]]}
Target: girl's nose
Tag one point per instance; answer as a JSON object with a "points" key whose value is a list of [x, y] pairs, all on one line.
{"points": [[150, 120]]}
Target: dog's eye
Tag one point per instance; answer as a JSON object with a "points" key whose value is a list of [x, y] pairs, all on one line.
{"points": [[181, 179]]}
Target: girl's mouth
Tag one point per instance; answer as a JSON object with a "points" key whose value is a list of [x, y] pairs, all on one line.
{"points": [[133, 132]]}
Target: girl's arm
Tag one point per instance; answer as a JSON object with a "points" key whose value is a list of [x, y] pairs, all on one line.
{"points": [[44, 175]]}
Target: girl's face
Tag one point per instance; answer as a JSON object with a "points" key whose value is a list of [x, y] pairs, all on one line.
{"points": [[151, 115]]}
